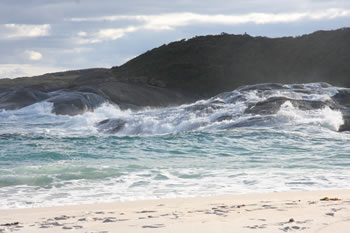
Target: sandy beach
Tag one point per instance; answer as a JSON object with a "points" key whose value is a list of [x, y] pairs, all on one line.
{"points": [[313, 211]]}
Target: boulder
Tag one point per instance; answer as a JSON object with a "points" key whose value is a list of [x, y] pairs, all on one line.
{"points": [[67, 102], [111, 126], [346, 118], [12, 99]]}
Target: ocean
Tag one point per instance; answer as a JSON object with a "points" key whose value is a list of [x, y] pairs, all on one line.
{"points": [[210, 147]]}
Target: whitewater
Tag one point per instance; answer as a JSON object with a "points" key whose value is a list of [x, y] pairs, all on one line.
{"points": [[222, 145]]}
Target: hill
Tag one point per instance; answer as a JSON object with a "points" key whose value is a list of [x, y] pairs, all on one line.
{"points": [[208, 65]]}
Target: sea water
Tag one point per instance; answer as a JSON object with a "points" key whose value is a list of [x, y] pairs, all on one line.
{"points": [[48, 160]]}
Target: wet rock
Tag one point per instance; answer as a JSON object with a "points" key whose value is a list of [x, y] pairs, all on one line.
{"points": [[111, 125], [65, 102], [346, 118], [266, 107], [342, 97], [273, 105], [74, 102], [224, 118]]}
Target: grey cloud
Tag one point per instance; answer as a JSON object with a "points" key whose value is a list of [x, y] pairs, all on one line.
{"points": [[54, 11]]}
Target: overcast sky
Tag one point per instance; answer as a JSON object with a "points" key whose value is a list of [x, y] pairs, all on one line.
{"points": [[40, 36]]}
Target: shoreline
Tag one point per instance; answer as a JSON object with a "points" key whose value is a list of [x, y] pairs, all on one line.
{"points": [[255, 212]]}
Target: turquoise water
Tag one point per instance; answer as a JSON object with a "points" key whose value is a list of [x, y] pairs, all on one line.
{"points": [[48, 160]]}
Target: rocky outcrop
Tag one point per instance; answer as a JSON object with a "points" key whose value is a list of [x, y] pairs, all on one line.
{"points": [[188, 70], [258, 105], [65, 102], [98, 82], [16, 98]]}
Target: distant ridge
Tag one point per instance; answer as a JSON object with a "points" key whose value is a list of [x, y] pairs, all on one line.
{"points": [[208, 65]]}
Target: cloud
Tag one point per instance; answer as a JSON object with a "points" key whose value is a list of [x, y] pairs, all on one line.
{"points": [[172, 20], [82, 34], [33, 55], [25, 70], [13, 31], [77, 50], [181, 19], [115, 33], [104, 34]]}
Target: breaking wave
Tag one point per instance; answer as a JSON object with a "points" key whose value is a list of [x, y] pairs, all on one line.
{"points": [[264, 105]]}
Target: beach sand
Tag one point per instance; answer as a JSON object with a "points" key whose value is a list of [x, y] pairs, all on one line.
{"points": [[267, 212]]}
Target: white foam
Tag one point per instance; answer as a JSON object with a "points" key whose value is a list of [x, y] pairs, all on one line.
{"points": [[182, 118], [41, 120], [142, 185], [325, 117], [86, 122]]}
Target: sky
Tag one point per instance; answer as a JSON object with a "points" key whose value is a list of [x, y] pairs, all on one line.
{"points": [[42, 36]]}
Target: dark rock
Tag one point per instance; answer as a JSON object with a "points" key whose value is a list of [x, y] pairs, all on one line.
{"points": [[71, 103], [346, 118], [224, 118], [273, 105], [269, 106], [111, 125], [11, 99], [127, 95], [342, 97], [136, 96], [65, 102]]}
